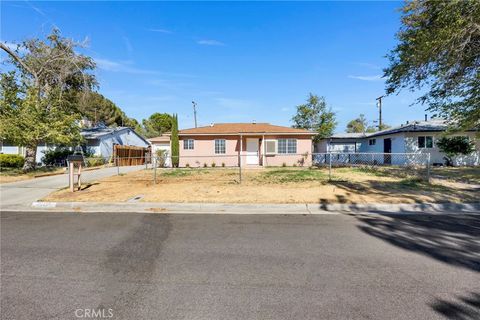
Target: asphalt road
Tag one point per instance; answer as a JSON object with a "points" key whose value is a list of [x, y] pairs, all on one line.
{"points": [[157, 266]]}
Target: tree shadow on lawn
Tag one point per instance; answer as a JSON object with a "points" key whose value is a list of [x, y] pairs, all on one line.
{"points": [[453, 239], [465, 308]]}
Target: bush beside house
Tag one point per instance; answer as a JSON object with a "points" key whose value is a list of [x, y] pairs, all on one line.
{"points": [[11, 161]]}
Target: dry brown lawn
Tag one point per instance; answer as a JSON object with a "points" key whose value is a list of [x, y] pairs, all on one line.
{"points": [[271, 185]]}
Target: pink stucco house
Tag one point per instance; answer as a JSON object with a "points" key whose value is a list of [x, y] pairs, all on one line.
{"points": [[248, 144]]}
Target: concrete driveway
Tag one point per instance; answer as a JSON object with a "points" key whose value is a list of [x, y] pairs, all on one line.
{"points": [[23, 193], [158, 266]]}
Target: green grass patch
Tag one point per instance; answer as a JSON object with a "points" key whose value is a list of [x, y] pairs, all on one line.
{"points": [[177, 173], [292, 175]]}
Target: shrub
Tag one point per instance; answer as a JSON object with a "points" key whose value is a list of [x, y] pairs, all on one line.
{"points": [[11, 161], [94, 162], [223, 164], [56, 156], [161, 158], [454, 146], [205, 165], [213, 164], [284, 164]]}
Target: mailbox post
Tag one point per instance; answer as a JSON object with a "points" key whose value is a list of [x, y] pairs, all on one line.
{"points": [[75, 160]]}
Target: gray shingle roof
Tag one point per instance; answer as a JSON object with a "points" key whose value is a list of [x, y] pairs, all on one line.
{"points": [[414, 126], [98, 132], [348, 135]]}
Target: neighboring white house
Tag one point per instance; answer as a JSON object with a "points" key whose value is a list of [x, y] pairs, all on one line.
{"points": [[99, 140], [412, 137], [162, 143], [340, 142]]}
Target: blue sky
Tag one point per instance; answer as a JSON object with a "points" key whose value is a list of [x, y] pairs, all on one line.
{"points": [[239, 61]]}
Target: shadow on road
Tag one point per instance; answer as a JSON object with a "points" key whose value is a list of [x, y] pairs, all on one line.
{"points": [[451, 239], [464, 308]]}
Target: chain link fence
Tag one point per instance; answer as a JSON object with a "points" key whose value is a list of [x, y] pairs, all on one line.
{"points": [[395, 164], [157, 169], [197, 168]]}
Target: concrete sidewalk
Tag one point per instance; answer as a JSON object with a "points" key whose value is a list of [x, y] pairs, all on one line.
{"points": [[24, 193], [226, 208]]}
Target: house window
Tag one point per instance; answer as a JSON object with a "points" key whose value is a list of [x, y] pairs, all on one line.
{"points": [[372, 142], [188, 144], [270, 147], [425, 142], [287, 145], [220, 146]]}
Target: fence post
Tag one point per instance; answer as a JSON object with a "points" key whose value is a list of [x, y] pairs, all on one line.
{"points": [[240, 172], [428, 168], [329, 166], [69, 174], [154, 163], [118, 167]]}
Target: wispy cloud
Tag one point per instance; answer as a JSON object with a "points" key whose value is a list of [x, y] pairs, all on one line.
{"points": [[376, 77], [115, 66], [285, 109], [160, 30], [42, 13], [210, 42]]}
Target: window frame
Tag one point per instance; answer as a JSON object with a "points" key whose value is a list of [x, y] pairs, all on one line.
{"points": [[372, 142], [287, 146], [224, 146], [425, 143], [275, 143], [186, 143]]}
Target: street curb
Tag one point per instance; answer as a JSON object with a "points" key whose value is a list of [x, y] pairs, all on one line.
{"points": [[225, 208]]}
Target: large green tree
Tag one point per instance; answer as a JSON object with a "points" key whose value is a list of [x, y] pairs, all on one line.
{"points": [[438, 53], [157, 124], [358, 125], [100, 110], [316, 116], [39, 99]]}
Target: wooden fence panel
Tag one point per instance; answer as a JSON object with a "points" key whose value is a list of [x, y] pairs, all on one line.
{"points": [[130, 155]]}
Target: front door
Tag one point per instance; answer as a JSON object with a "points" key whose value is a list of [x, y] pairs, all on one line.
{"points": [[387, 148], [252, 151]]}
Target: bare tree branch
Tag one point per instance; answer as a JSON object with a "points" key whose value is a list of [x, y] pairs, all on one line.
{"points": [[19, 60]]}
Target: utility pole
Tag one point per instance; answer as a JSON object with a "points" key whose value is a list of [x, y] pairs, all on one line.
{"points": [[195, 112], [379, 105]]}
